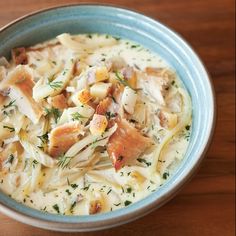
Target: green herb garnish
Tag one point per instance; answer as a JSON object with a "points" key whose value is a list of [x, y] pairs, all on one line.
{"points": [[120, 78], [113, 99], [109, 191], [10, 159], [44, 138], [165, 175], [127, 202], [68, 192], [53, 112], [86, 188], [129, 190], [110, 115], [55, 84], [141, 160], [34, 163], [117, 38], [187, 127], [56, 208], [8, 127], [117, 204], [74, 186], [63, 161], [135, 46], [77, 116], [73, 205], [10, 104]]}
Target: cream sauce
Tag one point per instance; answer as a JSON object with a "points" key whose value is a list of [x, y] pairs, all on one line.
{"points": [[73, 197]]}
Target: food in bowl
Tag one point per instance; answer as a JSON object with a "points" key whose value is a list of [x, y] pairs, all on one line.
{"points": [[89, 123]]}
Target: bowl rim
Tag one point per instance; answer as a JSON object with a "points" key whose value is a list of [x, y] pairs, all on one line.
{"points": [[61, 225]]}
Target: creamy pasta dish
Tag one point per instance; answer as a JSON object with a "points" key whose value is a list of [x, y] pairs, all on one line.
{"points": [[89, 124]]}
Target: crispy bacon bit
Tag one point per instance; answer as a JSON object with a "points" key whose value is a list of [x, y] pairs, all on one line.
{"points": [[95, 207], [103, 106], [63, 137], [58, 101], [126, 144], [19, 56]]}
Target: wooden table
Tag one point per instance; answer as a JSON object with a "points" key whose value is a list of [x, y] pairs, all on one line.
{"points": [[206, 205]]}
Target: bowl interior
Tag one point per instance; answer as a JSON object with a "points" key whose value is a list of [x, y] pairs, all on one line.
{"points": [[151, 34]]}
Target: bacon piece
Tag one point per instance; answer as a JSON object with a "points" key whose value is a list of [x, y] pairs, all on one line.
{"points": [[63, 137], [58, 101], [19, 56], [103, 106], [126, 144]]}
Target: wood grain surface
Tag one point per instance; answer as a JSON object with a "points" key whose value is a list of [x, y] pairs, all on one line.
{"points": [[206, 205]]}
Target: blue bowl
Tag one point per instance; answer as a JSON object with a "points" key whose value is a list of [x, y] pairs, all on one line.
{"points": [[46, 24]]}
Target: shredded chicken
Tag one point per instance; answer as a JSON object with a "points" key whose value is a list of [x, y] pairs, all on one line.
{"points": [[20, 84]]}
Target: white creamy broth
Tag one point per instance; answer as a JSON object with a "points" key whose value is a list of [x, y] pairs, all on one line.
{"points": [[102, 123]]}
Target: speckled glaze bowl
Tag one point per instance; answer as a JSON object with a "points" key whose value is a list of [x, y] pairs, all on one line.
{"points": [[46, 24]]}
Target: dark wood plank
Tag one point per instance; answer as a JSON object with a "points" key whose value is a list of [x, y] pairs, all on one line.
{"points": [[206, 204]]}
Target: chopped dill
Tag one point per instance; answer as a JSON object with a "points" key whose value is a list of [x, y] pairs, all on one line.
{"points": [[73, 205], [44, 138], [10, 104], [77, 116], [86, 188], [53, 112], [11, 129], [74, 186], [165, 175], [63, 161], [120, 78], [56, 208], [10, 159], [117, 204], [109, 191], [68, 192], [141, 160], [55, 84], [129, 190], [127, 202]]}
